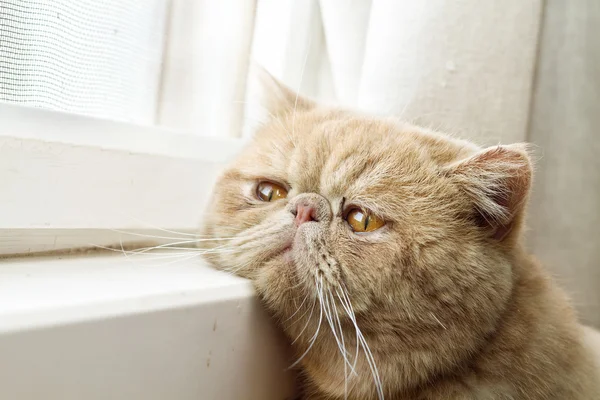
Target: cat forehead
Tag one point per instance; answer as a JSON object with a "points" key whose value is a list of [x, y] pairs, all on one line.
{"points": [[350, 165], [338, 155]]}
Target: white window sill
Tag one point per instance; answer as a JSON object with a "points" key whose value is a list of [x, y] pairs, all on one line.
{"points": [[70, 181], [134, 329]]}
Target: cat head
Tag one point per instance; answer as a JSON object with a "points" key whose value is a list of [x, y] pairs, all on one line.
{"points": [[407, 233]]}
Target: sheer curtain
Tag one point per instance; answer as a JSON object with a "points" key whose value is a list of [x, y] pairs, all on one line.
{"points": [[176, 63], [101, 59], [461, 66]]}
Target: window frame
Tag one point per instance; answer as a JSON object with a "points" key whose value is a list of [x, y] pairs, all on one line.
{"points": [[70, 181]]}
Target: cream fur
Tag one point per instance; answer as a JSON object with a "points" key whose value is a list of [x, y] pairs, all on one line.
{"points": [[448, 301]]}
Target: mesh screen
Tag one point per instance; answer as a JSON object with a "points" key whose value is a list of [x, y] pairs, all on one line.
{"points": [[94, 57]]}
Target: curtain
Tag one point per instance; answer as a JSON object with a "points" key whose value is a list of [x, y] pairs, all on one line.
{"points": [[565, 126], [101, 59]]}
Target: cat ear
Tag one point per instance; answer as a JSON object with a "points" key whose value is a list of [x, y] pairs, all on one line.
{"points": [[268, 98], [497, 180]]}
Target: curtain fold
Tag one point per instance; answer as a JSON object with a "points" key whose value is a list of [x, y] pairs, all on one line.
{"points": [[205, 67], [565, 127], [345, 25], [464, 67]]}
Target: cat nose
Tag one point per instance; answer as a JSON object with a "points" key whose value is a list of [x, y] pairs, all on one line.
{"points": [[309, 207], [304, 214]]}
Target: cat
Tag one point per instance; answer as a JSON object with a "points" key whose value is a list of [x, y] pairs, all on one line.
{"points": [[392, 258]]}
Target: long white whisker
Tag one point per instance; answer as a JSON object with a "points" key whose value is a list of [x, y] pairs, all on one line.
{"points": [[347, 363], [350, 312], [312, 309], [198, 237], [372, 366], [294, 287], [180, 259], [188, 249], [145, 250], [368, 354], [165, 255], [158, 228], [297, 309], [167, 246], [314, 337], [329, 316]]}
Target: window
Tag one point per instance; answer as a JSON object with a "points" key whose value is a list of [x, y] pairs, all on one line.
{"points": [[116, 116]]}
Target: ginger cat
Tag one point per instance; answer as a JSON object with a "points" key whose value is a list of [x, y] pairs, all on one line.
{"points": [[392, 258]]}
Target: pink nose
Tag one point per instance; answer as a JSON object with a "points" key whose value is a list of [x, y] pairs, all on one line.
{"points": [[304, 214]]}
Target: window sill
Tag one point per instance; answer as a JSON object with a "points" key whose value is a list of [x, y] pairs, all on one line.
{"points": [[141, 328], [70, 181]]}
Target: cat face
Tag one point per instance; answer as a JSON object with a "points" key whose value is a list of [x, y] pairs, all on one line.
{"points": [[406, 233]]}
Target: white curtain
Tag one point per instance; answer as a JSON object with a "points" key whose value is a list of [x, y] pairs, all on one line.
{"points": [[464, 66], [96, 58]]}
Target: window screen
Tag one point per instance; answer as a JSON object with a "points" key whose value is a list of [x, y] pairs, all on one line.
{"points": [[94, 57]]}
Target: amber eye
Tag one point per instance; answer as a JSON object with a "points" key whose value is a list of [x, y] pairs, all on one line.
{"points": [[269, 191], [363, 221]]}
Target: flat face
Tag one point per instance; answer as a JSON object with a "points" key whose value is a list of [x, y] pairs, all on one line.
{"points": [[362, 217]]}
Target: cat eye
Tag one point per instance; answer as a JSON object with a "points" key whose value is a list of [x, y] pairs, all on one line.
{"points": [[269, 191], [363, 221]]}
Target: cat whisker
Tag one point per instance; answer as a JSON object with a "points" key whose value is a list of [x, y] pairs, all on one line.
{"points": [[234, 269], [198, 239], [247, 238], [314, 337], [297, 309], [178, 260], [312, 309], [300, 317], [294, 287], [338, 336], [187, 252], [332, 300], [148, 250], [352, 371], [137, 263], [188, 249], [437, 320], [158, 228], [153, 255], [372, 366], [352, 317], [366, 349], [172, 245]]}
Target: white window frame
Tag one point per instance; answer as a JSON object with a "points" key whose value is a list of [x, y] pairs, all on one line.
{"points": [[70, 181]]}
